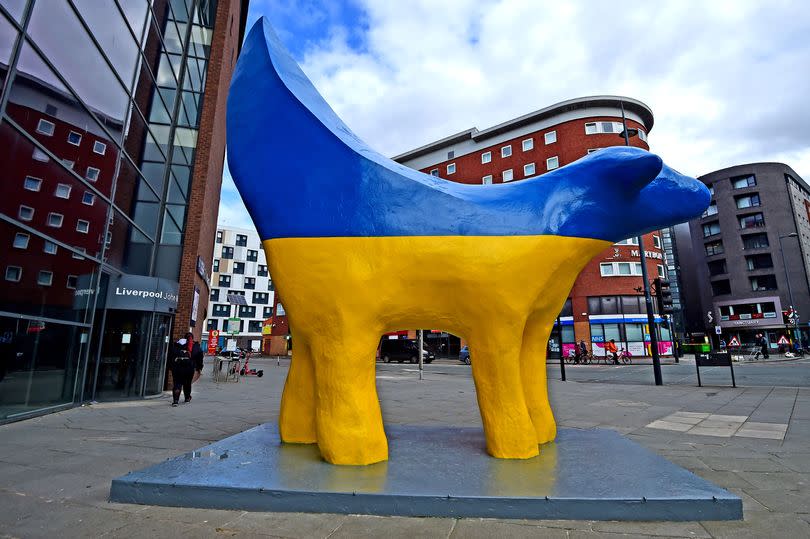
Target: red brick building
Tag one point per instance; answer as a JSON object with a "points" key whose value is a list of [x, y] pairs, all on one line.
{"points": [[606, 301]]}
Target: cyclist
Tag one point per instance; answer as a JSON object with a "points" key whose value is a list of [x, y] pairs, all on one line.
{"points": [[610, 348]]}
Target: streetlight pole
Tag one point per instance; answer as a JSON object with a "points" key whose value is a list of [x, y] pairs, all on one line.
{"points": [[790, 290], [647, 299]]}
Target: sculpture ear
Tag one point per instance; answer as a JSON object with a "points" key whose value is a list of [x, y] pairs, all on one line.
{"points": [[629, 169]]}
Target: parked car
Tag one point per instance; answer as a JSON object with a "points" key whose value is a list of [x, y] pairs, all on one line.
{"points": [[401, 350], [464, 354]]}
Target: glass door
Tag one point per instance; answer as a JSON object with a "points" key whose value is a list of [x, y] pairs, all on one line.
{"points": [[158, 350]]}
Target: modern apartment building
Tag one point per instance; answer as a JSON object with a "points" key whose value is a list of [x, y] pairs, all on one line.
{"points": [[749, 256], [606, 301], [239, 268], [112, 135]]}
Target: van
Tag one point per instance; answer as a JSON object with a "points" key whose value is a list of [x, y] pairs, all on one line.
{"points": [[401, 350]]}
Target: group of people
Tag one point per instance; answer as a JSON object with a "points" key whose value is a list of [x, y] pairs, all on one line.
{"points": [[581, 351]]}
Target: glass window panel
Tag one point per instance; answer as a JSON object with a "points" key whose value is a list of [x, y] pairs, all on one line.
{"points": [[191, 103], [179, 10], [111, 31], [34, 376], [52, 25], [154, 174], [8, 36], [612, 332], [201, 41], [173, 37], [146, 216], [169, 70], [181, 176], [167, 263], [171, 233], [634, 332], [38, 95], [610, 305], [175, 195], [27, 296], [178, 213], [135, 13], [161, 106], [594, 305], [15, 8], [16, 150]]}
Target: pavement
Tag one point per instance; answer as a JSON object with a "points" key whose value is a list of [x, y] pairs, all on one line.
{"points": [[55, 470]]}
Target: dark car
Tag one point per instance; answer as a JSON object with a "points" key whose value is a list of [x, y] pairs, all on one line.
{"points": [[401, 350], [464, 354]]}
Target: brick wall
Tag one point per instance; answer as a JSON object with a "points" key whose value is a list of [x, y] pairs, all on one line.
{"points": [[201, 223]]}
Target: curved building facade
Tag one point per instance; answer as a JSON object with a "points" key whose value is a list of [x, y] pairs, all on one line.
{"points": [[606, 301]]}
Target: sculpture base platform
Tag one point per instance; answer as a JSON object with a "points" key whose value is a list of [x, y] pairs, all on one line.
{"points": [[437, 472]]}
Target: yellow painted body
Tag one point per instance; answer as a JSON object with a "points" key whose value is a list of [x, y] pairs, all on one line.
{"points": [[500, 293]]}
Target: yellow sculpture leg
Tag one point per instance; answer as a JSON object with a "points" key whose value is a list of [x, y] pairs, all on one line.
{"points": [[533, 376], [499, 293], [297, 415]]}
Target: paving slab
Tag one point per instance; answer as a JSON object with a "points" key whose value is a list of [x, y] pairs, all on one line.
{"points": [[577, 477]]}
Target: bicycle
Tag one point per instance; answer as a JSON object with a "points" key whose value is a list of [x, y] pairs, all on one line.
{"points": [[625, 356]]}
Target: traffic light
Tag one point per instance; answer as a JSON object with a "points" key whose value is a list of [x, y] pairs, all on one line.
{"points": [[663, 294]]}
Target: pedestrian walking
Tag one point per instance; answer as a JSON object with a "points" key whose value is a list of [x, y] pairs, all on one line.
{"points": [[762, 342], [186, 365]]}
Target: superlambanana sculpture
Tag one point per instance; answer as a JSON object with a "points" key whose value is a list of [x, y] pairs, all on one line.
{"points": [[359, 245]]}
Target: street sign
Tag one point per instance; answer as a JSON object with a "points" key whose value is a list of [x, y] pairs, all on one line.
{"points": [[782, 340], [233, 325], [213, 341], [718, 330], [734, 342]]}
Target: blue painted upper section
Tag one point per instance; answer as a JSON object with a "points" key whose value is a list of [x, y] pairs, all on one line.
{"points": [[303, 173]]}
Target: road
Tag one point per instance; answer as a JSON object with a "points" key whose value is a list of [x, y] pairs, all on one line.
{"points": [[753, 374]]}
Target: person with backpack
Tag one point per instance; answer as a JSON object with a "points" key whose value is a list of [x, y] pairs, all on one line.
{"points": [[186, 361]]}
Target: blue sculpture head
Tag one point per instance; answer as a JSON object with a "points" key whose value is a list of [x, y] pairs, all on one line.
{"points": [[303, 173]]}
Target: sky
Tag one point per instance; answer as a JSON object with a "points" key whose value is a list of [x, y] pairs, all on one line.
{"points": [[728, 81]]}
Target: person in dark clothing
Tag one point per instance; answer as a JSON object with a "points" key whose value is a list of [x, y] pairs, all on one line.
{"points": [[187, 358], [763, 345]]}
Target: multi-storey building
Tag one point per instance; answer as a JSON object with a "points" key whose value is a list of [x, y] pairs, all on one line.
{"points": [[606, 301], [240, 268], [112, 134], [749, 256]]}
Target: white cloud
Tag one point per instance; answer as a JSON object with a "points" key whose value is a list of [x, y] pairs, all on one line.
{"points": [[727, 81]]}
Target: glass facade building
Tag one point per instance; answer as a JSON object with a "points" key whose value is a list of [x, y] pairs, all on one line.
{"points": [[100, 114]]}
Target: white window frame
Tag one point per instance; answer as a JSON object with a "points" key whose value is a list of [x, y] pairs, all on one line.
{"points": [[280, 311], [592, 150], [67, 282], [19, 273], [591, 128], [451, 168], [96, 146], [486, 157], [37, 182], [435, 172], [550, 137], [78, 256], [597, 128], [506, 151], [46, 132], [633, 267], [507, 175], [486, 180], [92, 198], [68, 163], [527, 144], [87, 175], [62, 186], [21, 238], [47, 245], [39, 155], [661, 271], [529, 169], [77, 134], [628, 241], [606, 269], [555, 160], [55, 214], [83, 226], [48, 281], [20, 212], [657, 241]]}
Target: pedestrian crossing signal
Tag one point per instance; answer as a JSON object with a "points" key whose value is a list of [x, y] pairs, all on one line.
{"points": [[782, 340], [734, 342]]}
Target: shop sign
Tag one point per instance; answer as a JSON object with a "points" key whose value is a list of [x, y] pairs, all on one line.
{"points": [[213, 341], [202, 271], [141, 293], [233, 325], [195, 303], [648, 254]]}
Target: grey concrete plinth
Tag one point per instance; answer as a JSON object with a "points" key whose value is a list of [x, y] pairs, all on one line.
{"points": [[435, 471]]}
